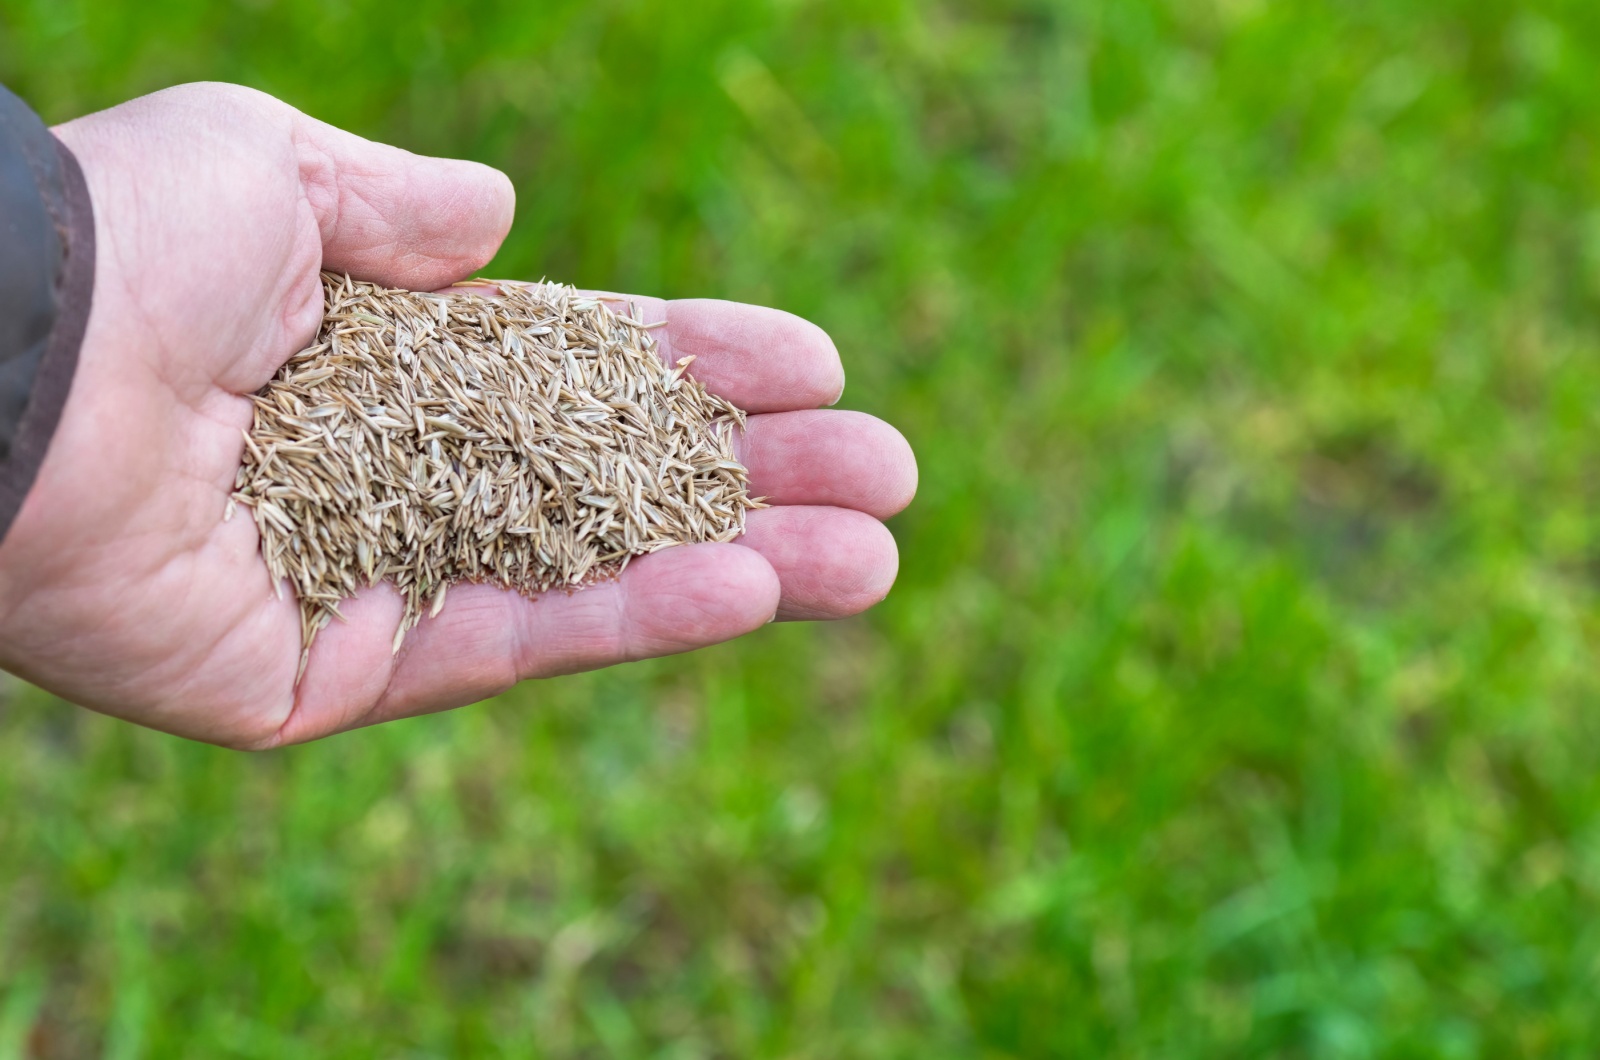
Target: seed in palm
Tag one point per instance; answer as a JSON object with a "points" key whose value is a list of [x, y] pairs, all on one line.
{"points": [[522, 435]]}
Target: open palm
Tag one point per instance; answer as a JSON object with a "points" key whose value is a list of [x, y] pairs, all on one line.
{"points": [[122, 588]]}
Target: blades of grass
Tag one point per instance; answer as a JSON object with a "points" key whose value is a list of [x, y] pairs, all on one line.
{"points": [[20, 1004]]}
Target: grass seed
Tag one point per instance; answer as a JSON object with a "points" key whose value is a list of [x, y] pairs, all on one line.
{"points": [[522, 435]]}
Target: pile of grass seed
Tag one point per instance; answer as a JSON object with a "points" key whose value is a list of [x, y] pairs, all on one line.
{"points": [[518, 434]]}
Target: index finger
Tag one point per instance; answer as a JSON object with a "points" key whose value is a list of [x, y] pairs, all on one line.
{"points": [[761, 359]]}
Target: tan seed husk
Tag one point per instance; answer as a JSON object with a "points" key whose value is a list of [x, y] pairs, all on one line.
{"points": [[522, 435]]}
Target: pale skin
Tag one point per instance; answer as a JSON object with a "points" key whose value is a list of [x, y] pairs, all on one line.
{"points": [[124, 590]]}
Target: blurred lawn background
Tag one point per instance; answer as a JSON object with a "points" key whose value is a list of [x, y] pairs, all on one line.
{"points": [[1239, 693]]}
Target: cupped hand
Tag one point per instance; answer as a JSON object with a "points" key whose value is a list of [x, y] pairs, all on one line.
{"points": [[123, 589]]}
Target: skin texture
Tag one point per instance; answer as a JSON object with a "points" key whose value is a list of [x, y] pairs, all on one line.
{"points": [[122, 589]]}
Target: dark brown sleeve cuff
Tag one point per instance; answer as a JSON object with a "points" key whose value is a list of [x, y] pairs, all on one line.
{"points": [[46, 284]]}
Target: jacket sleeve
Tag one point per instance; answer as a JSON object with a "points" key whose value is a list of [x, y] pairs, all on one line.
{"points": [[46, 282]]}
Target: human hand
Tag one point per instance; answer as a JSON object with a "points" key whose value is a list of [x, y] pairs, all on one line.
{"points": [[122, 588]]}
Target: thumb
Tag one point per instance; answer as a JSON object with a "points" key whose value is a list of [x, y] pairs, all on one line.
{"points": [[392, 217]]}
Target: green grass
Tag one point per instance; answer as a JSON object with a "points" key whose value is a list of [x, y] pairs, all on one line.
{"points": [[1239, 693]]}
